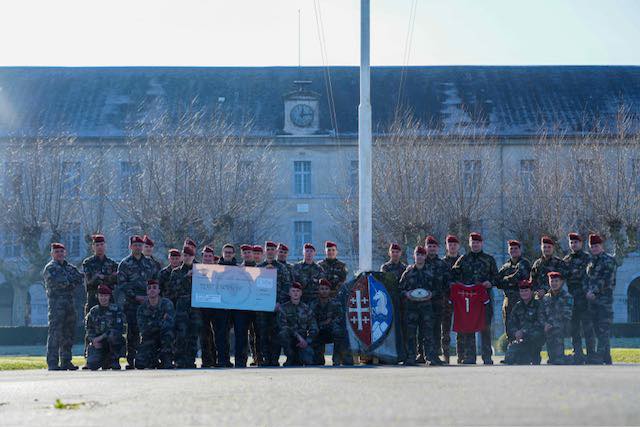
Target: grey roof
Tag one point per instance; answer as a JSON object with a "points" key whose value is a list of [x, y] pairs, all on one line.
{"points": [[503, 101]]}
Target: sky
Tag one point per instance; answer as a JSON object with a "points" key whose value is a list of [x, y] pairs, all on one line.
{"points": [[265, 32]]}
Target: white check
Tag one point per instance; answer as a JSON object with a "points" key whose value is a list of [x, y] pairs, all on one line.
{"points": [[238, 288]]}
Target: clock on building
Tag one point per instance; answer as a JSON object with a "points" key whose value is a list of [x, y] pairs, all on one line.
{"points": [[302, 115]]}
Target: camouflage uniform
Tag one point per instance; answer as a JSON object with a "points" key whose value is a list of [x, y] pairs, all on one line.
{"points": [[164, 278], [292, 319], [541, 267], [447, 310], [188, 320], [91, 267], [441, 274], [157, 264], [335, 271], [60, 281], [133, 275], [474, 268], [510, 274], [326, 313], [601, 280], [156, 325], [308, 275], [528, 317], [557, 313], [418, 314], [576, 263], [107, 320]]}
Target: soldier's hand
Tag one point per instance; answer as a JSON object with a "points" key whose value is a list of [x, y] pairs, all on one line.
{"points": [[540, 293], [519, 334], [591, 296], [486, 284], [190, 273]]}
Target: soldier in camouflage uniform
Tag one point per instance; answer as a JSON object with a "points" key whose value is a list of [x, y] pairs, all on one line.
{"points": [[207, 343], [156, 322], [308, 273], [477, 267], [188, 320], [576, 264], [147, 250], [98, 270], [326, 311], [543, 265], [164, 277], [452, 254], [283, 253], [395, 265], [133, 273], [298, 328], [526, 326], [60, 280], [600, 284], [441, 276], [418, 313], [512, 272], [556, 305], [104, 326], [335, 271]]}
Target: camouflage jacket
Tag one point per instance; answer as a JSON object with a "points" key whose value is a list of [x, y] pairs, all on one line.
{"points": [[156, 319], [283, 279], [93, 266], [510, 274], [474, 268], [325, 313], [298, 319], [576, 269], [61, 279], [164, 279], [157, 264], [541, 267], [557, 310], [441, 276], [335, 271], [104, 320], [450, 260], [528, 317], [180, 284], [395, 268], [601, 275], [415, 278], [308, 275], [133, 275]]}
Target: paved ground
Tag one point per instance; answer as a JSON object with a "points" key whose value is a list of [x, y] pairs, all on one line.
{"points": [[371, 396]]}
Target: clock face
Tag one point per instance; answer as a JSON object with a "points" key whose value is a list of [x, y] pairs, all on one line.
{"points": [[302, 115]]}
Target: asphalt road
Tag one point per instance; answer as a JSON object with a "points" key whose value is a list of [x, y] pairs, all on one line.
{"points": [[360, 396]]}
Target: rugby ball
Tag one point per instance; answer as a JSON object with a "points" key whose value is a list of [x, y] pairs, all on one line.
{"points": [[420, 293]]}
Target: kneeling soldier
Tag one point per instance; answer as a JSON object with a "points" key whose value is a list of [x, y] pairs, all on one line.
{"points": [[104, 325], [156, 318], [298, 329], [557, 305], [325, 311], [526, 326]]}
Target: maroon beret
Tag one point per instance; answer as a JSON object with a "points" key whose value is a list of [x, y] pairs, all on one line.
{"points": [[575, 236], [189, 242], [257, 248], [246, 247], [97, 238], [475, 237], [395, 247], [283, 247], [514, 243], [152, 282], [135, 239], [309, 246], [188, 250], [57, 246], [595, 239], [270, 244], [147, 240], [207, 249], [330, 244], [452, 239], [324, 282], [420, 250], [554, 275], [296, 285], [546, 240], [430, 240], [525, 284], [174, 252], [104, 290]]}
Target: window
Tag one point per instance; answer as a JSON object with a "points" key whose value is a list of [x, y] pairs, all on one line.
{"points": [[301, 234], [528, 170], [471, 170], [71, 240], [130, 173], [12, 178], [353, 176], [70, 178], [302, 177], [10, 245]]}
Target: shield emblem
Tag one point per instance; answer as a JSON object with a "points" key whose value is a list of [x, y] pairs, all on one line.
{"points": [[370, 311]]}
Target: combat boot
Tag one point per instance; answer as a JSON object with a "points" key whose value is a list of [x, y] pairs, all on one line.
{"points": [[68, 367], [166, 363]]}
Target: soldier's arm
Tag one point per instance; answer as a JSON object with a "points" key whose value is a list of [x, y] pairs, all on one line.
{"points": [[123, 281], [514, 323], [344, 272], [118, 327], [55, 282], [89, 327], [111, 279], [169, 316], [312, 326]]}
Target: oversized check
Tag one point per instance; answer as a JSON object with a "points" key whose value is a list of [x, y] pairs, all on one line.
{"points": [[230, 287]]}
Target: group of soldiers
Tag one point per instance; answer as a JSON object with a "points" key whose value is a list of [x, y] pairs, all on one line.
{"points": [[150, 305]]}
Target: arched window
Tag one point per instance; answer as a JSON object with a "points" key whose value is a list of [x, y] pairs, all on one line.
{"points": [[6, 304], [38, 305], [633, 301]]}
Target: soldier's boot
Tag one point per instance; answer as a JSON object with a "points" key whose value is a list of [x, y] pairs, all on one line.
{"points": [[54, 368], [130, 364], [447, 359], [165, 362], [68, 366]]}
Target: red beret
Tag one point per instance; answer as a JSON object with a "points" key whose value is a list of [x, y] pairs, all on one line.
{"points": [[395, 247], [475, 237], [207, 249], [525, 284], [188, 250], [514, 243], [270, 244], [104, 290], [135, 239], [283, 247], [309, 246], [430, 240], [189, 242], [152, 282], [216, 258], [420, 250], [575, 236], [330, 244], [57, 246], [147, 240], [246, 248], [546, 240], [257, 248], [595, 239], [174, 252], [324, 282], [97, 238], [452, 239], [554, 275], [296, 285]]}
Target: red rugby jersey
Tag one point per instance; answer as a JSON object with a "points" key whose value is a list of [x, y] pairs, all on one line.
{"points": [[469, 302]]}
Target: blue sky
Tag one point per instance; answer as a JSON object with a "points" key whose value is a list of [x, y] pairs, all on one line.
{"points": [[258, 33]]}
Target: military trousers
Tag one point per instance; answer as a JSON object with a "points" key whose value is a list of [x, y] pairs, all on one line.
{"points": [[107, 355], [239, 320], [133, 333], [267, 338], [601, 313], [156, 346], [188, 325], [207, 340], [526, 352], [419, 315], [62, 325], [581, 325]]}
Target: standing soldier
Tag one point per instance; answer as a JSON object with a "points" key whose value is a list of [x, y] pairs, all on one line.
{"points": [[576, 264], [477, 267], [441, 276], [452, 253], [335, 271], [156, 318], [164, 277], [526, 326], [207, 342], [133, 273], [512, 272], [395, 265], [251, 255], [308, 273], [325, 310], [222, 318], [283, 253], [190, 242], [147, 250], [418, 313], [98, 270], [543, 265], [298, 328], [556, 305], [60, 280], [104, 326], [188, 320], [600, 283]]}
